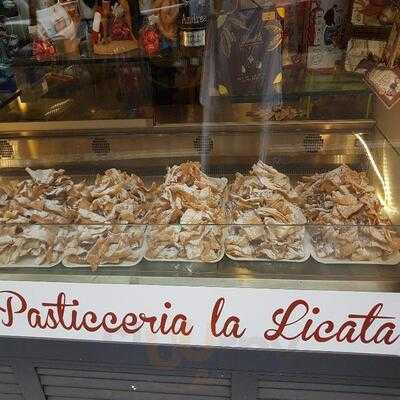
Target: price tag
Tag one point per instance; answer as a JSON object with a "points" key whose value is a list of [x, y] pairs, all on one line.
{"points": [[32, 29], [269, 16], [45, 86], [96, 22]]}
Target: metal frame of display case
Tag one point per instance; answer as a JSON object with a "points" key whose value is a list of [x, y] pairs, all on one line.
{"points": [[133, 126], [41, 369], [142, 144]]}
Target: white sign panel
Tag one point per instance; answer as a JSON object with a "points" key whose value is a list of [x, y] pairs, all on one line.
{"points": [[203, 316]]}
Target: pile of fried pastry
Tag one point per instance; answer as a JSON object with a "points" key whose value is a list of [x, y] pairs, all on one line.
{"points": [[29, 212], [346, 217], [187, 216], [52, 202], [191, 216], [110, 218], [265, 222]]}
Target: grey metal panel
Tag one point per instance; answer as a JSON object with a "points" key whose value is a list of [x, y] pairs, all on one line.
{"points": [[8, 396], [264, 386], [197, 377], [281, 394], [244, 386], [64, 398], [122, 384], [28, 380], [7, 378], [338, 379], [9, 388], [99, 394], [139, 386]]}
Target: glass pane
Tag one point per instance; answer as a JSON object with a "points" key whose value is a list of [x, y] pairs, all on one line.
{"points": [[222, 140]]}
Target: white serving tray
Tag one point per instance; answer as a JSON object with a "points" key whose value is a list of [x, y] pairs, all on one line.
{"points": [[307, 254], [394, 259], [218, 259], [127, 264], [29, 262]]}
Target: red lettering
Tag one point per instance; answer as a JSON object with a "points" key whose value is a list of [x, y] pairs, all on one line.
{"points": [[231, 325], [12, 308], [297, 319], [349, 336], [387, 330], [130, 321], [34, 318], [273, 334]]}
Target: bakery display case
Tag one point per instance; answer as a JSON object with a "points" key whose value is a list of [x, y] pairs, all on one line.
{"points": [[212, 159], [249, 199]]}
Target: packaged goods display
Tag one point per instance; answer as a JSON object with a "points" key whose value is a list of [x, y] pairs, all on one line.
{"points": [[112, 28], [363, 55], [326, 34], [372, 12]]}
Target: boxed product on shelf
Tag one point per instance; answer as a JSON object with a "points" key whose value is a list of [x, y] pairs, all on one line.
{"points": [[160, 25], [372, 12], [362, 55], [112, 28], [325, 34]]}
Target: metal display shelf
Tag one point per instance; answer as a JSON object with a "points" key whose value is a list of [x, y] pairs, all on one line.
{"points": [[308, 275], [77, 59], [131, 126]]}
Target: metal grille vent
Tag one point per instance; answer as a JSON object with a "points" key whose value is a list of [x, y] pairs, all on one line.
{"points": [[68, 384], [101, 146], [313, 143], [9, 387], [318, 389], [6, 149], [203, 145]]}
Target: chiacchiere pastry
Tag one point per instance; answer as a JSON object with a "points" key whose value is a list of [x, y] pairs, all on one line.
{"points": [[33, 217], [110, 217], [346, 217], [187, 216], [49, 217], [264, 221]]}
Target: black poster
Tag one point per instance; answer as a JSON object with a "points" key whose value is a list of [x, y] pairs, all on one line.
{"points": [[248, 58]]}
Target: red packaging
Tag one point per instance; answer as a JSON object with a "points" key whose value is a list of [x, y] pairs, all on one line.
{"points": [[150, 39], [43, 49]]}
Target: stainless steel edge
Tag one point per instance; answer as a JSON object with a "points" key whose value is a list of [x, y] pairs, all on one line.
{"points": [[130, 126]]}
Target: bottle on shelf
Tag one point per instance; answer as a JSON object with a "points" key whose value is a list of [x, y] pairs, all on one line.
{"points": [[193, 22]]}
